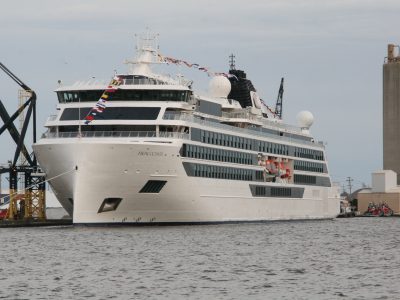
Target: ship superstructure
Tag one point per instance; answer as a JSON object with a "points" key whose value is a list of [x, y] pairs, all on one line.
{"points": [[157, 152]]}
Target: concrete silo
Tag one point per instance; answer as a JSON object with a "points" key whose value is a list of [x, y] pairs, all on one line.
{"points": [[391, 111]]}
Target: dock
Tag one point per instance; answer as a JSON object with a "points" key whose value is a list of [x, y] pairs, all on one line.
{"points": [[34, 223]]}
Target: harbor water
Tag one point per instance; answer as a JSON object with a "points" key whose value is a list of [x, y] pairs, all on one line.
{"points": [[355, 258]]}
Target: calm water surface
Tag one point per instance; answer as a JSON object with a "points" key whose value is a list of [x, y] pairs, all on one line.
{"points": [[355, 258]]}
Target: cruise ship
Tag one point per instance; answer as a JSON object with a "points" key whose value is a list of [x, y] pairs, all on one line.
{"points": [[147, 149]]}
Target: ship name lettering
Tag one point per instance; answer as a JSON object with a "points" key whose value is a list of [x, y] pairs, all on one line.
{"points": [[146, 153]]}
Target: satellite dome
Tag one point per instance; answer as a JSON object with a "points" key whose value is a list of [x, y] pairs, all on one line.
{"points": [[305, 119], [219, 86]]}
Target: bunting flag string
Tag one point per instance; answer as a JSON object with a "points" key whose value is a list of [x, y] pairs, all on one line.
{"points": [[269, 109], [171, 60], [100, 106]]}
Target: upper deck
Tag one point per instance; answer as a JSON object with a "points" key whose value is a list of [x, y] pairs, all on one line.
{"points": [[145, 101]]}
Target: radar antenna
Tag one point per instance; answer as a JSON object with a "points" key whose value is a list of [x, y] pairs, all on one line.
{"points": [[146, 51], [278, 106]]}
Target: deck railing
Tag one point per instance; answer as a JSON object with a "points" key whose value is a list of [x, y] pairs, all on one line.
{"points": [[255, 131], [116, 134], [179, 135], [247, 115]]}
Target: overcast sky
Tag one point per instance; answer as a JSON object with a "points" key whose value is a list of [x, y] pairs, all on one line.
{"points": [[330, 53]]}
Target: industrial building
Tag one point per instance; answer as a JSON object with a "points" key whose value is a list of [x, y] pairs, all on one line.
{"points": [[384, 190], [385, 183], [391, 111]]}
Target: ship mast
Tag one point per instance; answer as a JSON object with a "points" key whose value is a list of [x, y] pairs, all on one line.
{"points": [[146, 52], [232, 62]]}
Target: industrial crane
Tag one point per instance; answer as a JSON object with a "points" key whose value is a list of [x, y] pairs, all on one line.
{"points": [[32, 201], [278, 106]]}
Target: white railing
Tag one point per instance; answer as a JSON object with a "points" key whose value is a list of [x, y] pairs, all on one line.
{"points": [[247, 115], [116, 134], [147, 81], [239, 115], [255, 131]]}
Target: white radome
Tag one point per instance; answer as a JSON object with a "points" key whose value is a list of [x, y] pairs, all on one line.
{"points": [[305, 119], [219, 86]]}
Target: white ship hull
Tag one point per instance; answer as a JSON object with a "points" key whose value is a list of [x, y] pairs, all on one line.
{"points": [[87, 171], [152, 151]]}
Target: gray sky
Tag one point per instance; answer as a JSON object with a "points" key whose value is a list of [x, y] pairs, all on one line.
{"points": [[330, 53]]}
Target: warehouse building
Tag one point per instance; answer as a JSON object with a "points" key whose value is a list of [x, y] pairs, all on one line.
{"points": [[384, 190]]}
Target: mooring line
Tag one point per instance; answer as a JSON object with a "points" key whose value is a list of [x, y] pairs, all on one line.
{"points": [[2, 200]]}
